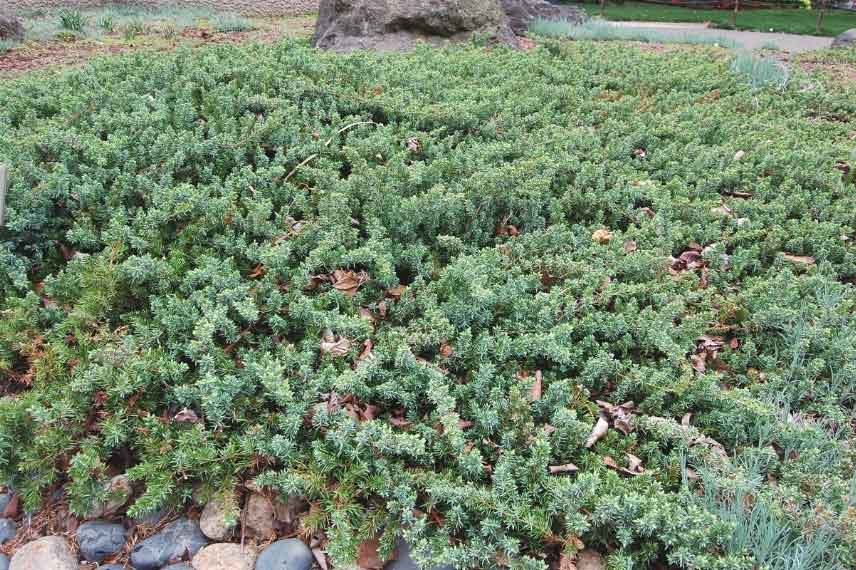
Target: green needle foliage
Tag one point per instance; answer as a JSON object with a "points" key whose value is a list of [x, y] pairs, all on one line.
{"points": [[400, 284]]}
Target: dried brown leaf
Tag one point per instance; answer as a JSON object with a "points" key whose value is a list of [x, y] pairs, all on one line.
{"points": [[567, 468], [366, 352], [599, 430], [799, 259], [630, 246], [698, 361], [567, 562], [601, 236], [334, 345], [634, 463], [367, 555], [320, 558], [535, 392], [186, 416], [394, 293], [348, 282]]}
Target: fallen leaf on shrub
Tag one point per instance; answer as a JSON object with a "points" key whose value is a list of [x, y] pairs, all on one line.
{"points": [[601, 236], [567, 562], [320, 558], [698, 362], [506, 229], [535, 392], [399, 422], [567, 468], [446, 350], [370, 412], [393, 293], [739, 154], [640, 153], [366, 353], [413, 144], [634, 463], [337, 346], [629, 246], [620, 415], [799, 259], [600, 429], [589, 559], [348, 281], [186, 416], [464, 424], [259, 271], [368, 557], [315, 281], [723, 210], [648, 212]]}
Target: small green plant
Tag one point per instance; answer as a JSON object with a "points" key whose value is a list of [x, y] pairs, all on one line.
{"points": [[66, 36], [72, 19], [133, 29], [761, 72], [232, 23], [169, 30], [106, 22]]}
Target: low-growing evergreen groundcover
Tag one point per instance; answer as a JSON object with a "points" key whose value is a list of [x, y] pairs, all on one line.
{"points": [[505, 304]]}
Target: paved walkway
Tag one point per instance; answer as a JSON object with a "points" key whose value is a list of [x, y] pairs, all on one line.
{"points": [[749, 40]]}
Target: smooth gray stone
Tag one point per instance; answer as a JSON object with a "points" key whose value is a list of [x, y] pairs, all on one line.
{"points": [[152, 519], [180, 539], [4, 562], [8, 530], [114, 567], [100, 539], [179, 566], [5, 499], [288, 554]]}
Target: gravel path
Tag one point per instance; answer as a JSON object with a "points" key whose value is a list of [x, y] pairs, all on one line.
{"points": [[749, 40]]}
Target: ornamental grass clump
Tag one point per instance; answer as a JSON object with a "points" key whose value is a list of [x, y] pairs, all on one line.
{"points": [[505, 304]]}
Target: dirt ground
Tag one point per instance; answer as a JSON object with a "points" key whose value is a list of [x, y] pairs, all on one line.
{"points": [[56, 53]]}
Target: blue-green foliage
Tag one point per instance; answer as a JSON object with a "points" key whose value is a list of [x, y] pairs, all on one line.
{"points": [[173, 220]]}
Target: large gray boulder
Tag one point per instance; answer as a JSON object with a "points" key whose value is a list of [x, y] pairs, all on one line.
{"points": [[521, 12], [11, 27], [346, 25], [845, 39]]}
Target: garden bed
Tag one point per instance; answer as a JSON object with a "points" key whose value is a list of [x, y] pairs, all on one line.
{"points": [[509, 305]]}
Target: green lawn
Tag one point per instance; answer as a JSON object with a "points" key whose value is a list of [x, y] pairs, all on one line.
{"points": [[794, 21]]}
